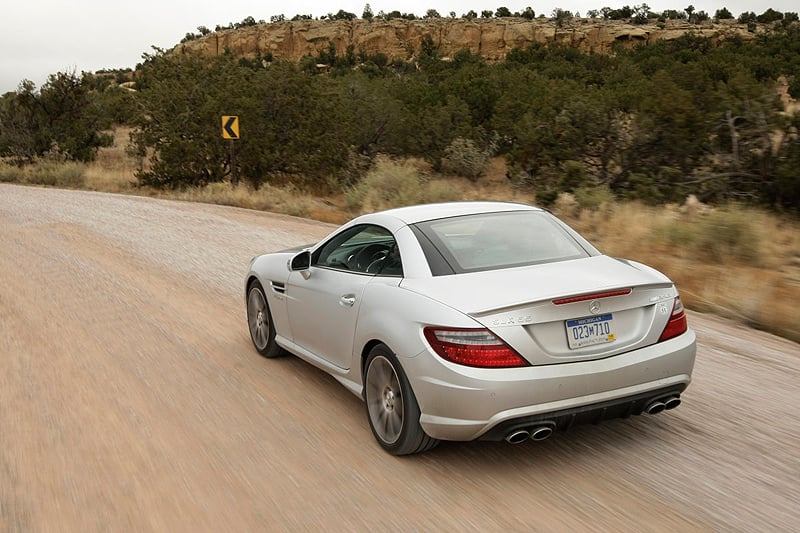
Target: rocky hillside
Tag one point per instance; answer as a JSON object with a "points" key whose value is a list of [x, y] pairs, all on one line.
{"points": [[400, 39]]}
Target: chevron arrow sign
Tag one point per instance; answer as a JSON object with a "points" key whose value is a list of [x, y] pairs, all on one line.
{"points": [[230, 127]]}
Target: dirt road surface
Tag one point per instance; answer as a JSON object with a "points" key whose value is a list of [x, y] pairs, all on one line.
{"points": [[131, 399]]}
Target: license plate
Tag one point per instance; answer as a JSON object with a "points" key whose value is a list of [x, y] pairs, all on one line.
{"points": [[590, 330]]}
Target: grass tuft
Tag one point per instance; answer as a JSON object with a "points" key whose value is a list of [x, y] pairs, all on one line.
{"points": [[11, 173], [65, 174], [53, 173]]}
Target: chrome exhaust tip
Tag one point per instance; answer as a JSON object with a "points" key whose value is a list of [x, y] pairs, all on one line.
{"points": [[672, 403], [655, 407], [541, 433], [517, 436]]}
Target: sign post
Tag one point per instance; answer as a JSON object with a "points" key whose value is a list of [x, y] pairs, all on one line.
{"points": [[230, 131]]}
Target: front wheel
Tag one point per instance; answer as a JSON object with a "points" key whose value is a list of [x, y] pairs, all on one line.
{"points": [[259, 320], [392, 409]]}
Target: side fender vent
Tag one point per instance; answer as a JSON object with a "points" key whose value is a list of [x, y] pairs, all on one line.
{"points": [[278, 287]]}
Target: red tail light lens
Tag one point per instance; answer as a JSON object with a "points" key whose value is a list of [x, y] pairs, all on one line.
{"points": [[677, 322], [472, 347]]}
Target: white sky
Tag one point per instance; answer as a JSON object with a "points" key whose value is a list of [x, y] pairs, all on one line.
{"points": [[42, 37]]}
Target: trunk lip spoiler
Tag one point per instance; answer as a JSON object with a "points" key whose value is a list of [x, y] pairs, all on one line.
{"points": [[592, 296]]}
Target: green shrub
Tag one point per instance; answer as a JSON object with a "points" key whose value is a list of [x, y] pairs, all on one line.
{"points": [[388, 184], [440, 191], [724, 235], [546, 197], [727, 234], [593, 197], [676, 233], [464, 157], [392, 184], [572, 176]]}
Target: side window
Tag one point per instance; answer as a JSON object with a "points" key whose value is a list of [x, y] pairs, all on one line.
{"points": [[366, 249]]}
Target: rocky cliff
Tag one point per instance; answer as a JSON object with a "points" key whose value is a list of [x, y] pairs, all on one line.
{"points": [[401, 39]]}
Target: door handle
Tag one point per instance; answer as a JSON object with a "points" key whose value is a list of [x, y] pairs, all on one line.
{"points": [[347, 300]]}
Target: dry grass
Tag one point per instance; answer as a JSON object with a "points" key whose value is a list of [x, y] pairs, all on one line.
{"points": [[267, 198], [736, 262], [53, 172], [113, 170], [752, 274]]}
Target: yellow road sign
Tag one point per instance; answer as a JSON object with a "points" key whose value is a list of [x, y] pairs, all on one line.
{"points": [[230, 127]]}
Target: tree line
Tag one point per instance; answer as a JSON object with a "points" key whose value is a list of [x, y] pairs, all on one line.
{"points": [[655, 123]]}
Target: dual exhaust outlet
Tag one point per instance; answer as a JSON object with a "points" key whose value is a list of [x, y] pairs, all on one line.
{"points": [[543, 430], [661, 404], [537, 433]]}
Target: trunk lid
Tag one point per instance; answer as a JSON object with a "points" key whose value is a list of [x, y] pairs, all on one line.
{"points": [[561, 312]]}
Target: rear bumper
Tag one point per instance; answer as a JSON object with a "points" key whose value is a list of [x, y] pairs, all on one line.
{"points": [[587, 414], [463, 403]]}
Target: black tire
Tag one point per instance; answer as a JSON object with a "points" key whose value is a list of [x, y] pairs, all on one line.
{"points": [[392, 408], [259, 322]]}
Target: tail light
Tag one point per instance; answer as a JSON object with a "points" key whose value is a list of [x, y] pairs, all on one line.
{"points": [[472, 347], [677, 321]]}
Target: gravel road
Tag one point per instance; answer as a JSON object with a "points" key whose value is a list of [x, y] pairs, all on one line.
{"points": [[131, 399]]}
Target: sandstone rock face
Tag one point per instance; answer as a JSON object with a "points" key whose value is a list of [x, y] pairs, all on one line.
{"points": [[401, 39]]}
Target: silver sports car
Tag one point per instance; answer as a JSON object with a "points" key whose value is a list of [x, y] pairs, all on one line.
{"points": [[474, 320]]}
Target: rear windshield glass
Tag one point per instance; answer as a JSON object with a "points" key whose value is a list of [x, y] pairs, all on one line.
{"points": [[490, 241]]}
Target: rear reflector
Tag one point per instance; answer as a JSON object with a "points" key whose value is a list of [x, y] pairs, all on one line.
{"points": [[472, 347], [677, 322], [593, 296]]}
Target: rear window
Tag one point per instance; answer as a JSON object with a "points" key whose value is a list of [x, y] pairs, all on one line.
{"points": [[491, 241]]}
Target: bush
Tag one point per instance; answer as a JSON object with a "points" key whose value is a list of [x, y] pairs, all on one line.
{"points": [[388, 184], [62, 117], [463, 157], [593, 197], [726, 234], [675, 233], [439, 191], [391, 184], [546, 197], [572, 176]]}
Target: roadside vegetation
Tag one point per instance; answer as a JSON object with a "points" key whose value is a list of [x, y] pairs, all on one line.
{"points": [[734, 260], [682, 154]]}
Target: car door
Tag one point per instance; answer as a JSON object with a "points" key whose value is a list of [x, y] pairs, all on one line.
{"points": [[323, 301]]}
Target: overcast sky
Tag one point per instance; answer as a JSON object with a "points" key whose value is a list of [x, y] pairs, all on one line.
{"points": [[42, 37]]}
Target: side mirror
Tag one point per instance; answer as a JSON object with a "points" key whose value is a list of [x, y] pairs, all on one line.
{"points": [[301, 261]]}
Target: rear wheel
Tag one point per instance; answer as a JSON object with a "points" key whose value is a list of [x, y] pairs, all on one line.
{"points": [[392, 409], [259, 320]]}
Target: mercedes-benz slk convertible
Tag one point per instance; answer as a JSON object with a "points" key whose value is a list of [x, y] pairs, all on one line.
{"points": [[474, 320]]}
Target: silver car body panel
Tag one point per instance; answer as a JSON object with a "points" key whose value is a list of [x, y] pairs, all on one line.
{"points": [[517, 304], [459, 402], [462, 403]]}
